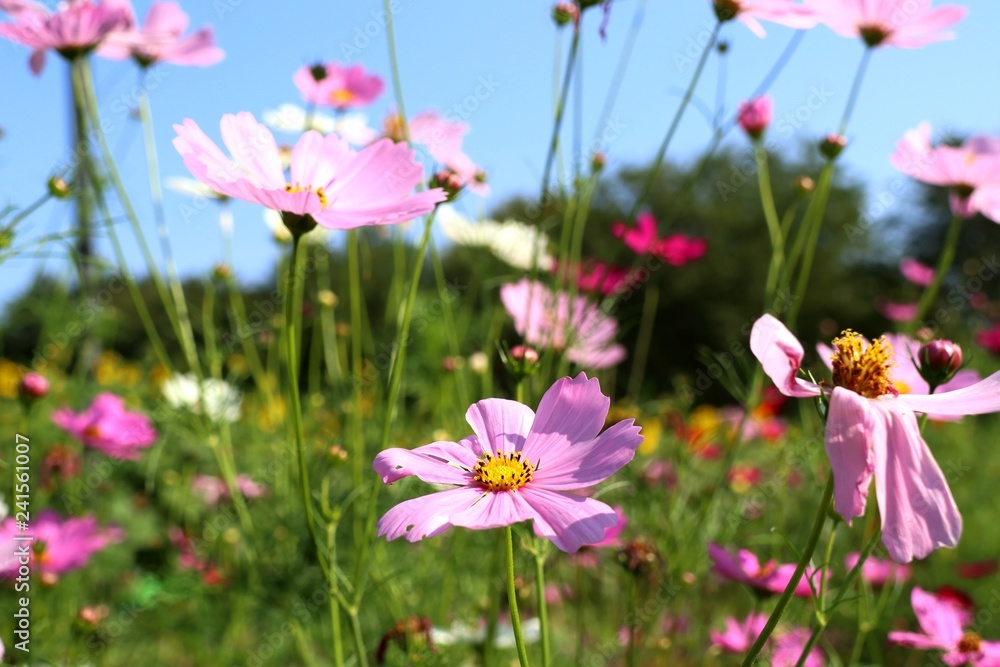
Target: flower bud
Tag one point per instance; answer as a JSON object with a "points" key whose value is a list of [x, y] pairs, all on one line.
{"points": [[318, 72], [565, 12], [327, 298], [939, 361], [726, 10], [33, 385], [524, 353], [804, 185], [59, 188], [755, 115], [448, 181], [597, 161], [479, 363], [521, 361], [221, 271], [832, 145]]}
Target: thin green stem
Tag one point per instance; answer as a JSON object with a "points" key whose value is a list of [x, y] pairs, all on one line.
{"points": [[773, 225], [186, 333], [793, 583], [543, 610], [852, 99], [809, 233], [493, 611], [397, 81], [359, 640], [515, 618], [445, 298], [943, 266], [632, 649], [338, 640], [559, 113], [647, 187], [621, 68], [644, 339]]}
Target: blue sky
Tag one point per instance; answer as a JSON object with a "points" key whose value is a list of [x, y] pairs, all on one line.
{"points": [[506, 52]]}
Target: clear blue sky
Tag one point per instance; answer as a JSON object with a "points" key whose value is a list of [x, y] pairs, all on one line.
{"points": [[447, 48]]}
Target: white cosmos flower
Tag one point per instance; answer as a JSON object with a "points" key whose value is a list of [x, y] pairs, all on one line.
{"points": [[460, 633], [217, 399], [353, 127], [520, 245], [192, 188]]}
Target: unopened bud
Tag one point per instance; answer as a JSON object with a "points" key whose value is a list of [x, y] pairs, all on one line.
{"points": [[222, 271], [327, 298], [448, 181], [521, 361], [597, 161], [565, 12], [832, 145], [59, 188], [33, 385], [755, 115], [804, 185], [939, 361]]}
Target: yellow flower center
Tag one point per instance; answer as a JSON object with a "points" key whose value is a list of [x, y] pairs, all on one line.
{"points": [[860, 368], [342, 97], [971, 642], [503, 472], [319, 192], [93, 432]]}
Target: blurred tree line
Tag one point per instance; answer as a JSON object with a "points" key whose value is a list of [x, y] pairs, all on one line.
{"points": [[705, 305]]}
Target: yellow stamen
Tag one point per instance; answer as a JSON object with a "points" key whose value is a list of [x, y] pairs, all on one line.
{"points": [[92, 432], [863, 370], [503, 472], [971, 642], [319, 192], [341, 97]]}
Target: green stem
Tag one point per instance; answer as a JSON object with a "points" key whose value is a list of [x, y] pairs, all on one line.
{"points": [[359, 641], [773, 225], [644, 339], [807, 240], [852, 99], [397, 82], [451, 331], [647, 187], [186, 334], [793, 583], [631, 650], [338, 640], [327, 319], [557, 124], [543, 611], [493, 611], [515, 619], [943, 266]]}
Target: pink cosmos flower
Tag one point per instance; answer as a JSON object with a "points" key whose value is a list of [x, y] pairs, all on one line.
{"points": [[336, 186], [74, 29], [971, 171], [906, 24], [751, 12], [872, 432], [612, 534], [755, 115], [106, 425], [896, 312], [904, 375], [59, 545], [643, 239], [942, 624], [550, 320], [443, 139], [518, 466], [915, 272], [788, 647], [680, 249], [338, 86], [879, 572], [739, 636], [212, 489], [990, 338], [745, 568], [160, 39], [598, 277]]}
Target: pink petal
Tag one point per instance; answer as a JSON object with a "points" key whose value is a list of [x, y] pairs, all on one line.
{"points": [[980, 398], [852, 428], [428, 515], [918, 511], [315, 159], [253, 148], [501, 425], [572, 411], [939, 619], [780, 353], [494, 510], [569, 521], [37, 61], [436, 463], [584, 464]]}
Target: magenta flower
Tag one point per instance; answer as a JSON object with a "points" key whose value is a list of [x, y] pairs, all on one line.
{"points": [[745, 568], [331, 183], [612, 534], [161, 40], [788, 647], [872, 432], [990, 338], [74, 29], [751, 12], [755, 115], [738, 636], [895, 311], [600, 278], [915, 272], [107, 426], [906, 24], [212, 489], [643, 239], [338, 86], [971, 171], [879, 572], [579, 329], [942, 624], [904, 375], [518, 466], [443, 139], [59, 545]]}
